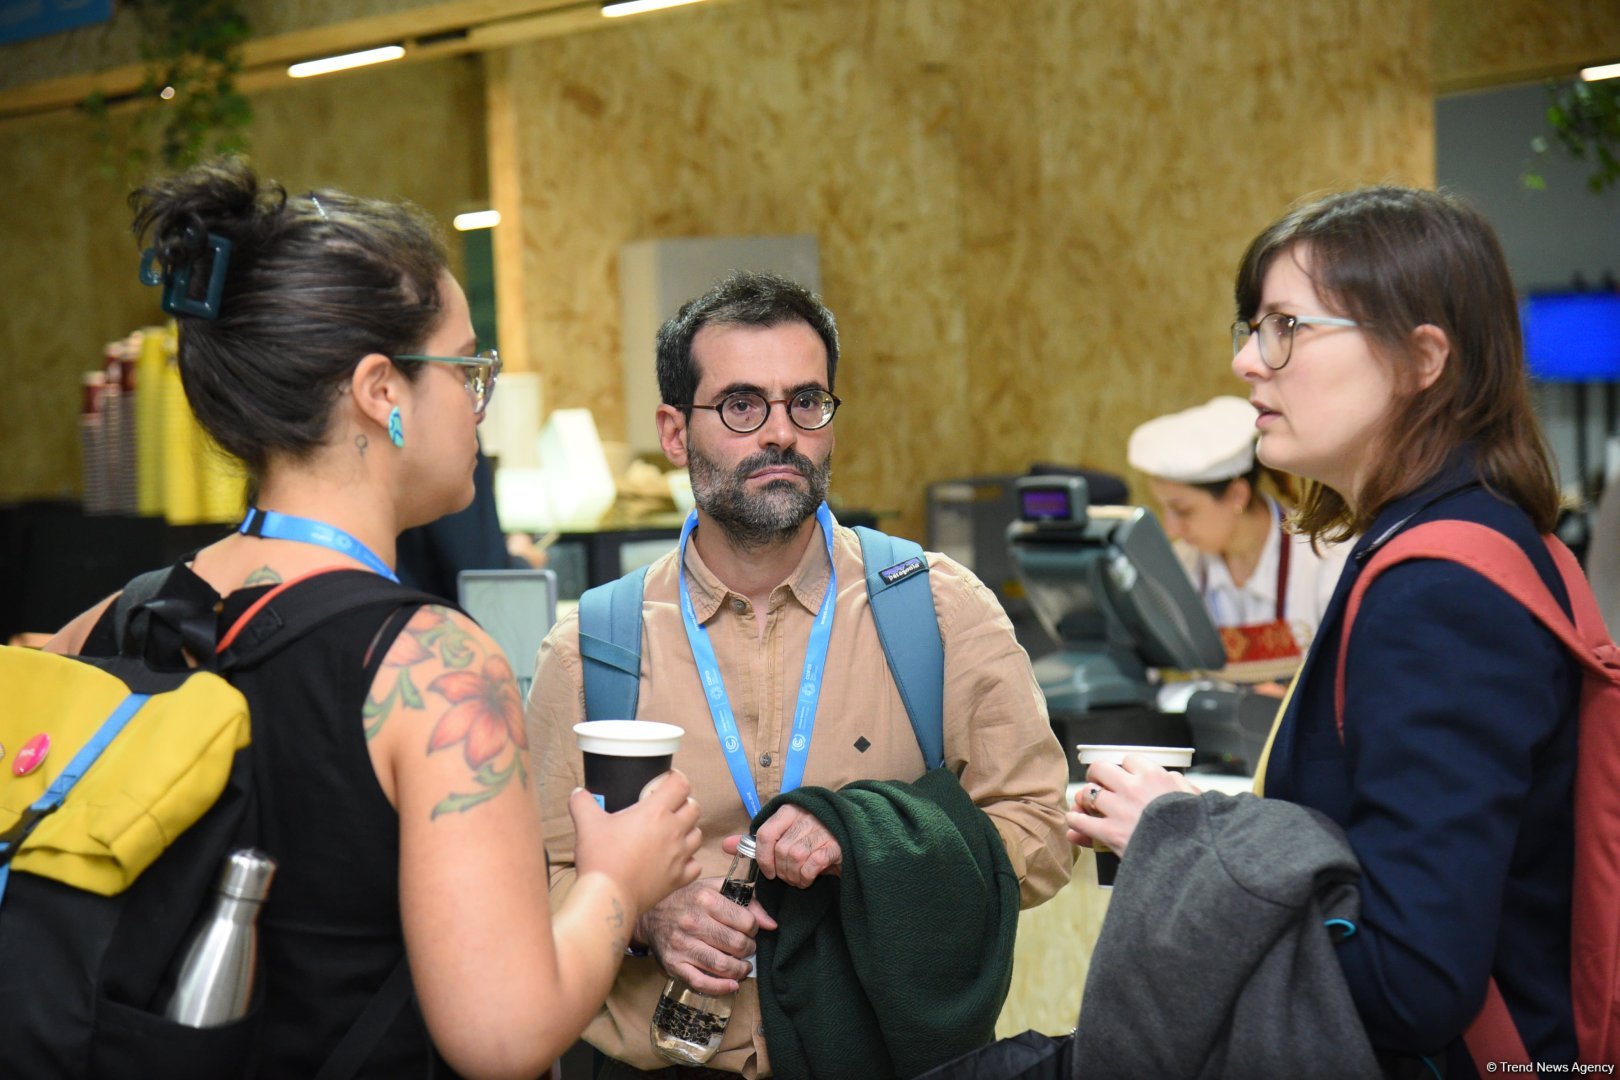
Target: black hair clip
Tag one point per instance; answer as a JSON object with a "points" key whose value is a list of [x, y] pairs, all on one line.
{"points": [[177, 282]]}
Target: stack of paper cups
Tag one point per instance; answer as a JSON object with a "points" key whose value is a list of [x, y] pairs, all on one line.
{"points": [[90, 445], [127, 494], [112, 426]]}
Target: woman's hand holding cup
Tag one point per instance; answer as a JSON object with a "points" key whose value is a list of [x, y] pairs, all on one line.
{"points": [[637, 822], [647, 848], [1120, 782]]}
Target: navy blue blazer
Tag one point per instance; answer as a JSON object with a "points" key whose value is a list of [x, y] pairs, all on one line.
{"points": [[1453, 784]]}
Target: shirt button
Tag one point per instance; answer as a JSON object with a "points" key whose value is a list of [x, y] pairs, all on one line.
{"points": [[765, 760], [738, 603]]}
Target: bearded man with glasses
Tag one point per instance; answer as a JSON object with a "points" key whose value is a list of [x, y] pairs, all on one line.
{"points": [[746, 376]]}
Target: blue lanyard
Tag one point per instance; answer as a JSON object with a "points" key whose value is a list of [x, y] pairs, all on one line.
{"points": [[714, 686], [274, 526]]}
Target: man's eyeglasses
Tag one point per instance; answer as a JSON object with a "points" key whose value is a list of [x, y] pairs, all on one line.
{"points": [[746, 410], [482, 371], [1276, 333]]}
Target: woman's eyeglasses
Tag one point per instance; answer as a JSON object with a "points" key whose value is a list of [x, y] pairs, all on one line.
{"points": [[1276, 333], [482, 371]]}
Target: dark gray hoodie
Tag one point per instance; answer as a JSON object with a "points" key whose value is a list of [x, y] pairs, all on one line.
{"points": [[1216, 958]]}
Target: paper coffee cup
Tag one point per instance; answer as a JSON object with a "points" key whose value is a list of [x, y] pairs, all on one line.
{"points": [[623, 756], [1173, 758]]}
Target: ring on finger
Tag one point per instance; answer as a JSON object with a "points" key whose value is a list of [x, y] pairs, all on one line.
{"points": [[1091, 799]]}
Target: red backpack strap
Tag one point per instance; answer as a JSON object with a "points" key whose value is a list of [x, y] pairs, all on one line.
{"points": [[1595, 921], [264, 601], [1503, 563], [1598, 655], [1493, 1037]]}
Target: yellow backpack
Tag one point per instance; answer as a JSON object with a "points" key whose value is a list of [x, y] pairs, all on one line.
{"points": [[152, 780], [124, 785]]}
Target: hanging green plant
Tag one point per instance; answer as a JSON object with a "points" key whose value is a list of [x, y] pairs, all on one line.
{"points": [[187, 107], [1585, 121]]}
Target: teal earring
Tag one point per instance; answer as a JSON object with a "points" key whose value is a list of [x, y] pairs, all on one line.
{"points": [[396, 429]]}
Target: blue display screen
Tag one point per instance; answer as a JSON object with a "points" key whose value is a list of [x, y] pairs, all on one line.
{"points": [[1572, 337], [1046, 504], [24, 19]]}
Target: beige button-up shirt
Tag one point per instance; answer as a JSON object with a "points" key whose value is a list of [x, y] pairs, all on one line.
{"points": [[997, 737]]}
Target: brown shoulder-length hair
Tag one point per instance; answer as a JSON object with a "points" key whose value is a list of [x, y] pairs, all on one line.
{"points": [[1394, 259]]}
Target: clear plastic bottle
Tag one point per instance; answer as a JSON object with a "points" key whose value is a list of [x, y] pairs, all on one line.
{"points": [[687, 1024], [215, 983]]}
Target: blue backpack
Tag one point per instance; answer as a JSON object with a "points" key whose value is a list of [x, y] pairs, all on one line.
{"points": [[610, 639]]}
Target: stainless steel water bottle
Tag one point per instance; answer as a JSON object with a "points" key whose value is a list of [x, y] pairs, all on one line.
{"points": [[215, 983], [687, 1024]]}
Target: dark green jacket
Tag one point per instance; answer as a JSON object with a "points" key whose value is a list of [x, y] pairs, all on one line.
{"points": [[903, 962]]}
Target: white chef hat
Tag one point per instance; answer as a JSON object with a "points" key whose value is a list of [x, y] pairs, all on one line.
{"points": [[1202, 445]]}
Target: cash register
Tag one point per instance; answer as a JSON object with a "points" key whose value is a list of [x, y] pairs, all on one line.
{"points": [[1133, 635]]}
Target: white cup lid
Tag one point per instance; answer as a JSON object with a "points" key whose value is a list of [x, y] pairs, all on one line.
{"points": [[1170, 757], [628, 738]]}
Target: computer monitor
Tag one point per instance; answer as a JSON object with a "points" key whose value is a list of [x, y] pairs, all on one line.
{"points": [[1105, 582], [968, 518], [516, 608]]}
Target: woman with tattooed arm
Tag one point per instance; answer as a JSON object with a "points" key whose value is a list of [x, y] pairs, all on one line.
{"points": [[324, 344]]}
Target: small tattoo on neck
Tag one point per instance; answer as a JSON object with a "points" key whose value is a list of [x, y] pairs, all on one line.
{"points": [[262, 576], [360, 444]]}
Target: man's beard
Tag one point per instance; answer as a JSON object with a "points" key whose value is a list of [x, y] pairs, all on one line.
{"points": [[765, 517]]}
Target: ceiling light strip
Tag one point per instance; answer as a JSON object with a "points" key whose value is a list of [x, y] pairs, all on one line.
{"points": [[477, 219], [347, 60], [615, 9]]}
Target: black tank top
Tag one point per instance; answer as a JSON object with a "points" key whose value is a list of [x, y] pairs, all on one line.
{"points": [[330, 932]]}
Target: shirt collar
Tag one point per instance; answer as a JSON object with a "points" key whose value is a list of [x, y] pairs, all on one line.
{"points": [[807, 584], [707, 591]]}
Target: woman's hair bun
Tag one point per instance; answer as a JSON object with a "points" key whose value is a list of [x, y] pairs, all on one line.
{"points": [[303, 293], [223, 197]]}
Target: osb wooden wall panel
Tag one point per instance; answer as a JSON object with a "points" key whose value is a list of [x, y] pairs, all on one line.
{"points": [[1117, 158], [411, 132], [69, 264], [68, 273], [1489, 42], [775, 118], [1028, 214]]}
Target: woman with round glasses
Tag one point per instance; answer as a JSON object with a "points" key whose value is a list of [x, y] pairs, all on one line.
{"points": [[1266, 588], [324, 344], [1379, 338]]}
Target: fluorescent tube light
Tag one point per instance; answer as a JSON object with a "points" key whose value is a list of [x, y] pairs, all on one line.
{"points": [[615, 9], [478, 219], [1604, 71], [346, 61]]}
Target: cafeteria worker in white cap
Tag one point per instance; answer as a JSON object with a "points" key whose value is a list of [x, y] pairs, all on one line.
{"points": [[1266, 588]]}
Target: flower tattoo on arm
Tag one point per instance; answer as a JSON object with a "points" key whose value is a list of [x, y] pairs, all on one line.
{"points": [[484, 717]]}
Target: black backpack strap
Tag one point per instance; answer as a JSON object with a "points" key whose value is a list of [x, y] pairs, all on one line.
{"points": [[305, 605], [302, 607], [137, 592], [369, 1027]]}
